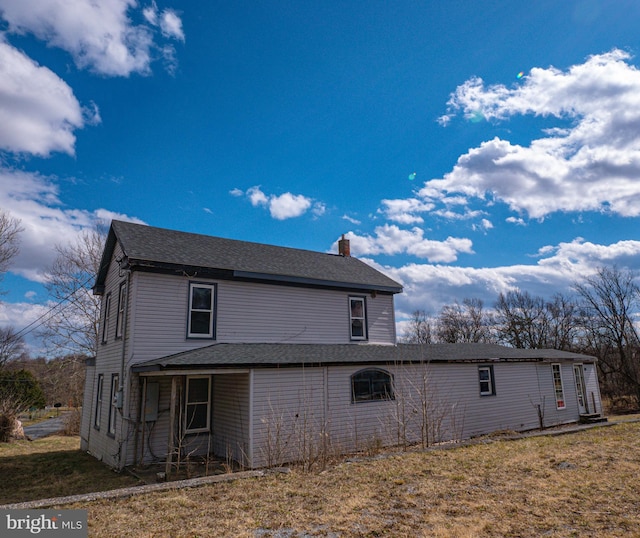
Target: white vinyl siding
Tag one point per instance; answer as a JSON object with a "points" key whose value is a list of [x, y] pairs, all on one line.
{"points": [[111, 449], [231, 417], [288, 415], [302, 413], [248, 313]]}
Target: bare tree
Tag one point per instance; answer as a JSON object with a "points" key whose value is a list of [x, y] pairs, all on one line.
{"points": [[418, 331], [73, 326], [521, 320], [611, 299], [9, 240], [11, 345], [563, 322], [464, 323]]}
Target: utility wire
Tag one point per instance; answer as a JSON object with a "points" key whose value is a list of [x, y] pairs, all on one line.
{"points": [[38, 320]]}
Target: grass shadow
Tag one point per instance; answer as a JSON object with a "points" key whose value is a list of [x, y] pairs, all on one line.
{"points": [[29, 475]]}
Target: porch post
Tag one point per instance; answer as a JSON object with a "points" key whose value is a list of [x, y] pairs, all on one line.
{"points": [[172, 424], [144, 418]]}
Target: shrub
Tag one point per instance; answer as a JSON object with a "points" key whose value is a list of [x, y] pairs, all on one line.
{"points": [[72, 422]]}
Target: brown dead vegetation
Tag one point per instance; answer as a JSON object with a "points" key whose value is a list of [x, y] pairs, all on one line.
{"points": [[583, 484]]}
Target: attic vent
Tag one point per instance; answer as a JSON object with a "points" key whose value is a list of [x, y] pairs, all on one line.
{"points": [[343, 247]]}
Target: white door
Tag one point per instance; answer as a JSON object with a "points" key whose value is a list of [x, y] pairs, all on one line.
{"points": [[581, 390]]}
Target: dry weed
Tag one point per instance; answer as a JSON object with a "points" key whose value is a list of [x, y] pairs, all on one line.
{"points": [[583, 484]]}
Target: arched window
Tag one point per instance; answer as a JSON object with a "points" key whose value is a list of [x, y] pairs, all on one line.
{"points": [[371, 384]]}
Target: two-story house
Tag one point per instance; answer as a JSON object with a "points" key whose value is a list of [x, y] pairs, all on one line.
{"points": [[263, 354]]}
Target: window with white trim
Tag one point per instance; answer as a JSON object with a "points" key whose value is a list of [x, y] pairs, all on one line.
{"points": [[557, 386], [96, 418], [487, 381], [201, 311], [107, 317], [198, 404], [121, 306], [357, 318], [371, 384], [113, 408]]}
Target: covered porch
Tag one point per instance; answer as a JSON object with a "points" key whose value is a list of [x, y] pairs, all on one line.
{"points": [[184, 414]]}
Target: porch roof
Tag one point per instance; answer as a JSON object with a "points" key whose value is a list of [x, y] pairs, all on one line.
{"points": [[288, 355]]}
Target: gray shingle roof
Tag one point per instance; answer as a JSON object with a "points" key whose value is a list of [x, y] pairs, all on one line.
{"points": [[148, 246], [269, 355]]}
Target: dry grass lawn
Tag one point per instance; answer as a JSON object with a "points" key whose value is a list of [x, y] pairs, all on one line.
{"points": [[52, 466], [583, 484]]}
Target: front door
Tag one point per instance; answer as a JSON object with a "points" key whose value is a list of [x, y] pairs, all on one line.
{"points": [[581, 389]]}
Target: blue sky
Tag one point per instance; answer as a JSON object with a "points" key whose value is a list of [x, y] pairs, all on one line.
{"points": [[466, 148]]}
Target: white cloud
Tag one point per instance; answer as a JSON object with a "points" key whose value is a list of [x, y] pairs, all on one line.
{"points": [[513, 220], [99, 35], [391, 240], [351, 220], [283, 206], [257, 197], [38, 111], [171, 25], [288, 205], [591, 162], [404, 211], [485, 225], [319, 209], [34, 200], [169, 21], [429, 287], [236, 192]]}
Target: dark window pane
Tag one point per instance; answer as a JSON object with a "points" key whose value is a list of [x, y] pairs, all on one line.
{"points": [[361, 389], [198, 390], [484, 375], [356, 308], [371, 385], [201, 299], [200, 322], [357, 328], [196, 416]]}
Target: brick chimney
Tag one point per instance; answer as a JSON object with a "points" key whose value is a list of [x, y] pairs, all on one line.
{"points": [[343, 247]]}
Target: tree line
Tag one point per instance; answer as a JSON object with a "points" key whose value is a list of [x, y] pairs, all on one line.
{"points": [[68, 331], [599, 317]]}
